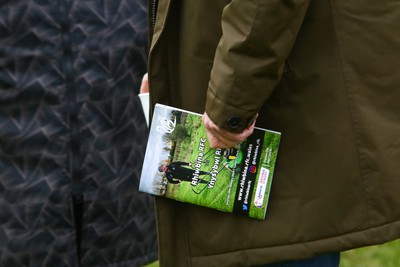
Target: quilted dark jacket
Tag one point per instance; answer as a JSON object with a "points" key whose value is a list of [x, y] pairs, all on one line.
{"points": [[72, 134]]}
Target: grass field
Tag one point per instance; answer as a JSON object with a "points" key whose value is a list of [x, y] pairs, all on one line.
{"points": [[386, 255]]}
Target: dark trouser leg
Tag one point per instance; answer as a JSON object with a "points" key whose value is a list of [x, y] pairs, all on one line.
{"points": [[327, 260]]}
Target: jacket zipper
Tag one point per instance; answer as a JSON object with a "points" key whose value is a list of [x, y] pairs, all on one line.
{"points": [[73, 110], [154, 13], [71, 95]]}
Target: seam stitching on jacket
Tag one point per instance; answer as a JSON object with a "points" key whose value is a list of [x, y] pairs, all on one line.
{"points": [[355, 125], [369, 229], [185, 223], [246, 47]]}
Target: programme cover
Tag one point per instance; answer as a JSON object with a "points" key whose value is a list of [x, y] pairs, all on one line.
{"points": [[179, 164]]}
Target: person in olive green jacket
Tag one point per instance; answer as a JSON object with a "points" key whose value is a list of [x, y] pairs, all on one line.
{"points": [[324, 73]]}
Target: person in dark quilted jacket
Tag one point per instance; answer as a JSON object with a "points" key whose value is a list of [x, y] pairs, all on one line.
{"points": [[73, 134]]}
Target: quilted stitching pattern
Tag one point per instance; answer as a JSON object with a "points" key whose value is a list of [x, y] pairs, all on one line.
{"points": [[97, 48]]}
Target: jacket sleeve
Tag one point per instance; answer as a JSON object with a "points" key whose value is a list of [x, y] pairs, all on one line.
{"points": [[257, 38]]}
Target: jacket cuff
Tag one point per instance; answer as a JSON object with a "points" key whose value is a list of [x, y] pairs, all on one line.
{"points": [[230, 118]]}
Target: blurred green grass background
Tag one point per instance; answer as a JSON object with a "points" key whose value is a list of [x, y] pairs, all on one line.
{"points": [[385, 255], [154, 264]]}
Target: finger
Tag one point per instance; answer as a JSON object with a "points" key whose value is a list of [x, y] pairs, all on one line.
{"points": [[218, 137], [223, 138], [144, 86], [219, 141], [227, 137], [238, 138], [215, 142]]}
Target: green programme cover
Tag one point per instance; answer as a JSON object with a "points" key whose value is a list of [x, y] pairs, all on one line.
{"points": [[179, 164]]}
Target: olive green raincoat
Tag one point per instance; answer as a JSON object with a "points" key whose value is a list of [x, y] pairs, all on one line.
{"points": [[325, 74]]}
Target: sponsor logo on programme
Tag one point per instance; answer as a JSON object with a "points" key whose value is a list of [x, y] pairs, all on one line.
{"points": [[261, 187]]}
